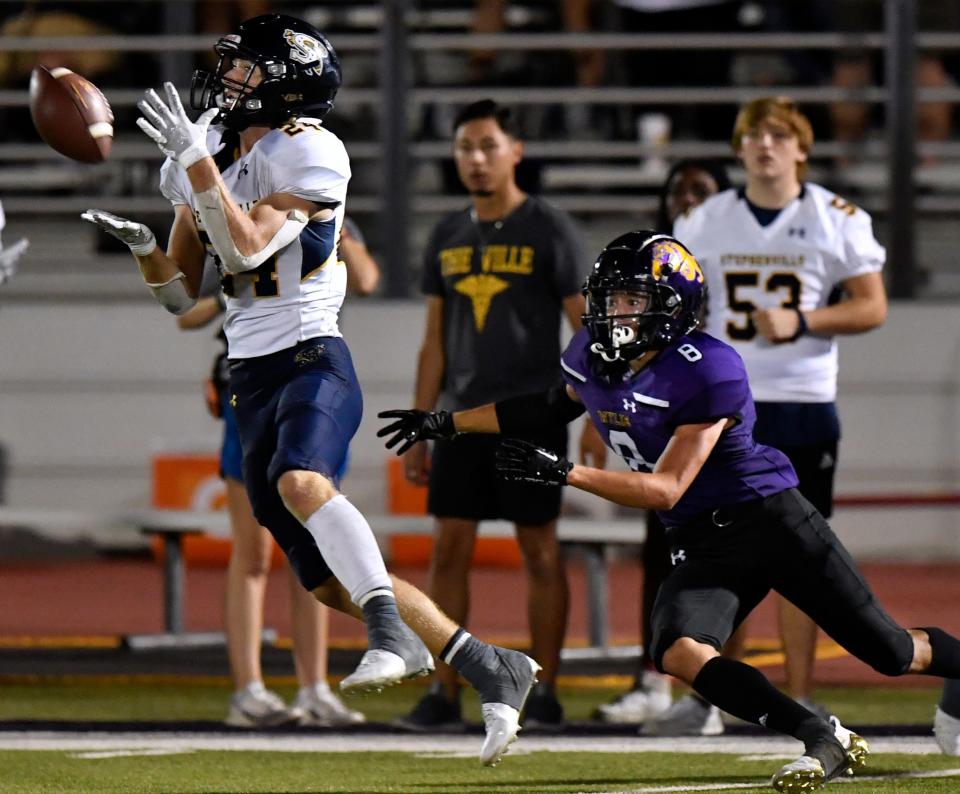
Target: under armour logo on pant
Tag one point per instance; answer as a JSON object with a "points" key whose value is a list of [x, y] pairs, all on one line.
{"points": [[679, 557]]}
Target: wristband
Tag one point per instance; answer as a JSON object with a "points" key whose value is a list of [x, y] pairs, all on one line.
{"points": [[145, 248], [802, 327]]}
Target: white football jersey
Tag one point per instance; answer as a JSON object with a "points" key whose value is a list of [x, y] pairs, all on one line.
{"points": [[297, 293], [815, 243]]}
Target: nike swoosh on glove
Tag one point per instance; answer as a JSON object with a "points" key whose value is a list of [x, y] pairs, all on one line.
{"points": [[522, 461]]}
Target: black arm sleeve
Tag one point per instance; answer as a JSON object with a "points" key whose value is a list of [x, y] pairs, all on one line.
{"points": [[538, 411]]}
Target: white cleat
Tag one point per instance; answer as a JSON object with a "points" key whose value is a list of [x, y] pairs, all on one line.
{"points": [[379, 669], [804, 774], [501, 722]]}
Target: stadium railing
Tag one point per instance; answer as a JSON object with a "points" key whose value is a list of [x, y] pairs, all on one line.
{"points": [[583, 189]]}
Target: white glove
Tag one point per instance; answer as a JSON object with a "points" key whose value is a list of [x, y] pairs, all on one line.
{"points": [[9, 257], [136, 236], [169, 127]]}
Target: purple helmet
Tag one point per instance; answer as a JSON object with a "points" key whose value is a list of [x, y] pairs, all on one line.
{"points": [[645, 291]]}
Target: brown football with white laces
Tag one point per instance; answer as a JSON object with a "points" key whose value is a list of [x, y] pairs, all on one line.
{"points": [[71, 114]]}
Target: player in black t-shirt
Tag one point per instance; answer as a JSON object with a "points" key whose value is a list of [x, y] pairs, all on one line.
{"points": [[498, 276]]}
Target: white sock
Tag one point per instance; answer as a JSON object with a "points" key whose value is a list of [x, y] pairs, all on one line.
{"points": [[347, 544]]}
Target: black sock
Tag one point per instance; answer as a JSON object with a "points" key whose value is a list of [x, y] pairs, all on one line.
{"points": [[945, 656], [744, 692]]}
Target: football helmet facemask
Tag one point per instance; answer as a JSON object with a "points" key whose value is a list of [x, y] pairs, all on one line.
{"points": [[300, 74], [645, 291]]}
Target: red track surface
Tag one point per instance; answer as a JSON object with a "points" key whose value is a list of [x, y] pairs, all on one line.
{"points": [[115, 597]]}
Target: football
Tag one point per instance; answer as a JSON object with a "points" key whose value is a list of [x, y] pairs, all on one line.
{"points": [[71, 114]]}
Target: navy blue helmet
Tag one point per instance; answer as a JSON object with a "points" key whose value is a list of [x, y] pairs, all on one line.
{"points": [[300, 74]]}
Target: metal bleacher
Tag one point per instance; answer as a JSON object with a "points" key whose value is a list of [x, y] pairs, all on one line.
{"points": [[394, 55]]}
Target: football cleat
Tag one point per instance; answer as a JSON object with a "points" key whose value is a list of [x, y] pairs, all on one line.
{"points": [[379, 669], [822, 761], [503, 698], [804, 774], [854, 745]]}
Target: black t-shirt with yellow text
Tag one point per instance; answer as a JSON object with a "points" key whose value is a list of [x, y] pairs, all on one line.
{"points": [[502, 284]]}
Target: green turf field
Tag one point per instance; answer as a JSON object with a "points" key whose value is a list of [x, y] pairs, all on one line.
{"points": [[324, 762], [371, 773]]}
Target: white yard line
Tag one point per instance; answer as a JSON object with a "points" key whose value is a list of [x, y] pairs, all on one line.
{"points": [[934, 774], [91, 741]]}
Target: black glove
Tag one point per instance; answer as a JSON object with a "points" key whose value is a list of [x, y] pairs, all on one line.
{"points": [[413, 426], [525, 462]]}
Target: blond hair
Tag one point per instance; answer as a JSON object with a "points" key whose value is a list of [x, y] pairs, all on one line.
{"points": [[782, 110]]}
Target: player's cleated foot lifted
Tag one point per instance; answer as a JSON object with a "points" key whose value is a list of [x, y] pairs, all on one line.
{"points": [[433, 714], [503, 692], [822, 761], [258, 707], [379, 669]]}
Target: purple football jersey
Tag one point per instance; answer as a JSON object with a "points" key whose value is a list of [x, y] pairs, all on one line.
{"points": [[699, 380]]}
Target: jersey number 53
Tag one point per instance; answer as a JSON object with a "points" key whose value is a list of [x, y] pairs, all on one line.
{"points": [[742, 329]]}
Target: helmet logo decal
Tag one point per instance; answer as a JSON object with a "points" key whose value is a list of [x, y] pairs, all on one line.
{"points": [[304, 48], [669, 255]]}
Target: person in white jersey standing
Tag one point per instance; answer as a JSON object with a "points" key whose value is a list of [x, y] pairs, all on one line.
{"points": [[258, 183], [790, 266]]}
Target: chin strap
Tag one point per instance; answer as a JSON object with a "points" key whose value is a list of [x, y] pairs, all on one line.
{"points": [[599, 349]]}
